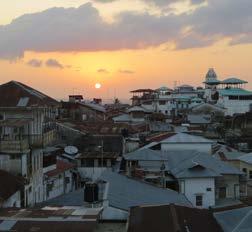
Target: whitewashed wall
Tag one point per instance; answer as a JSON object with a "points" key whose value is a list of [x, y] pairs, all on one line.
{"points": [[195, 186], [93, 173], [235, 106]]}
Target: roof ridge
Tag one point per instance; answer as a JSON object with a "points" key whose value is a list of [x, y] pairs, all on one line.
{"points": [[30, 90]]}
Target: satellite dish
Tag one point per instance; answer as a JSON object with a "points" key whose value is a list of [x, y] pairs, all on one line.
{"points": [[71, 150]]}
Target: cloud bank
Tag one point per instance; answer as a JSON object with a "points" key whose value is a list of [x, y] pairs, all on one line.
{"points": [[83, 29]]}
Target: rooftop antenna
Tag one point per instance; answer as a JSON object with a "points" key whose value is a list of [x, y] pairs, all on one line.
{"points": [[114, 93], [175, 84]]}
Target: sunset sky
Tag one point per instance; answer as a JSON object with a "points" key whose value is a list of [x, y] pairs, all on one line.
{"points": [[63, 47]]}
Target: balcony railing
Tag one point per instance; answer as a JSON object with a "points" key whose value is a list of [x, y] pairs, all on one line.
{"points": [[14, 145], [22, 143]]}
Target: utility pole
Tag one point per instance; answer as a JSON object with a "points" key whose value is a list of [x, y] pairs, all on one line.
{"points": [[102, 152]]}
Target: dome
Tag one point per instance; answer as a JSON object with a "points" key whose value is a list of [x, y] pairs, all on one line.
{"points": [[211, 78], [211, 74]]}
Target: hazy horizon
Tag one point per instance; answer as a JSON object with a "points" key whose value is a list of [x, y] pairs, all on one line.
{"points": [[63, 47]]}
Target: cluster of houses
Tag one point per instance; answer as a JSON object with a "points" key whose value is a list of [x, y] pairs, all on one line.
{"points": [[183, 152]]}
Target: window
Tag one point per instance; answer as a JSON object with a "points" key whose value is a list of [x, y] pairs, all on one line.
{"points": [[1, 117], [199, 200], [162, 102], [209, 189], [244, 170], [250, 174]]}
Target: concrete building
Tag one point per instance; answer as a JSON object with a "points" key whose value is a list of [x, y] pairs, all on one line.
{"points": [[91, 165], [235, 100], [26, 127], [184, 141], [204, 180], [58, 179]]}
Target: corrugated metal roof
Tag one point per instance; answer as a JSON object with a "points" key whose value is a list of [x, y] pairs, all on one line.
{"points": [[16, 94], [124, 193], [246, 158], [144, 154], [122, 118], [186, 138], [7, 225], [171, 218], [94, 106], [236, 220], [199, 119], [184, 164]]}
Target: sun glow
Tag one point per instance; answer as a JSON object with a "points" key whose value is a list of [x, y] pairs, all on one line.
{"points": [[97, 85]]}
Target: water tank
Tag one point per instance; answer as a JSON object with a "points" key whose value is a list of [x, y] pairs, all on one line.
{"points": [[91, 192]]}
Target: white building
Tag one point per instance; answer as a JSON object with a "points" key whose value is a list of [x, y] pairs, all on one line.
{"points": [[58, 179], [211, 82], [184, 141], [133, 115], [235, 100], [204, 180], [91, 165]]}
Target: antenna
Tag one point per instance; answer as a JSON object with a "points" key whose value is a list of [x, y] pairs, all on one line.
{"points": [[175, 84], [114, 93]]}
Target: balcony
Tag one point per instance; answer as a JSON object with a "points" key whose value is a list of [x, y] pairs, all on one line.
{"points": [[14, 146], [22, 143], [43, 140]]}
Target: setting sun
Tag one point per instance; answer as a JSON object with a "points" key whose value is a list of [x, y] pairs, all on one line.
{"points": [[97, 85]]}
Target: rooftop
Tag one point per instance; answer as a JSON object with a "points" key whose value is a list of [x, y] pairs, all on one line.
{"points": [[61, 166], [143, 91], [247, 158], [49, 219], [236, 220], [164, 88], [185, 164], [94, 106], [199, 118], [211, 73], [233, 80], [16, 94], [235, 92], [125, 192], [186, 138], [171, 218], [11, 184], [137, 109]]}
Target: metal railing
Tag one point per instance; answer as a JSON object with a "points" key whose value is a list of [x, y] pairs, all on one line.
{"points": [[22, 143]]}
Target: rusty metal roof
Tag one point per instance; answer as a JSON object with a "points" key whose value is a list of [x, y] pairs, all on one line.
{"points": [[46, 219], [171, 218], [16, 94]]}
